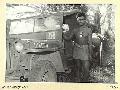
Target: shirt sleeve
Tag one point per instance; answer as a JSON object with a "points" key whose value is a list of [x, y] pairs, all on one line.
{"points": [[90, 40]]}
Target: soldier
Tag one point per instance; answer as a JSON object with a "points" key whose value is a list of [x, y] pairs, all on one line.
{"points": [[82, 38]]}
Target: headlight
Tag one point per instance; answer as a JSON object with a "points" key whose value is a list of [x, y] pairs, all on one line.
{"points": [[19, 46]]}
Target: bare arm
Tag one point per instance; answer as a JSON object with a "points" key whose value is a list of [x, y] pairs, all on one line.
{"points": [[68, 35]]}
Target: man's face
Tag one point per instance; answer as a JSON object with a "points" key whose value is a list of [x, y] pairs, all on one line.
{"points": [[81, 20]]}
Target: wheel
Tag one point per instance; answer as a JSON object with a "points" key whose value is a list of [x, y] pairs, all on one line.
{"points": [[43, 71]]}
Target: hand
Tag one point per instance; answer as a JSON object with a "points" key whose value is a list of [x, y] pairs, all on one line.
{"points": [[65, 28], [93, 46]]}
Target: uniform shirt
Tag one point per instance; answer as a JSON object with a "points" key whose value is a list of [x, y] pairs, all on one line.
{"points": [[81, 36]]}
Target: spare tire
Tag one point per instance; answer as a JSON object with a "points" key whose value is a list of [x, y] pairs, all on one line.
{"points": [[43, 71]]}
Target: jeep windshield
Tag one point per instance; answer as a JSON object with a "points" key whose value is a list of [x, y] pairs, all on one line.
{"points": [[35, 25]]}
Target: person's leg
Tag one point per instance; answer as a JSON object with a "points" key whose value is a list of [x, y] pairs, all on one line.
{"points": [[85, 66], [77, 67]]}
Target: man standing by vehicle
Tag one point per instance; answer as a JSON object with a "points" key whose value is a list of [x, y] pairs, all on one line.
{"points": [[82, 38]]}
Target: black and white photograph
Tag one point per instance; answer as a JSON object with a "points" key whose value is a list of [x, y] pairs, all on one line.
{"points": [[68, 43]]}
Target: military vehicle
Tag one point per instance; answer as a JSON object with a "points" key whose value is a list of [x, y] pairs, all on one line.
{"points": [[35, 48]]}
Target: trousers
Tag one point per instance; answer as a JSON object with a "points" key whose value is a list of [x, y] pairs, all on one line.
{"points": [[82, 70]]}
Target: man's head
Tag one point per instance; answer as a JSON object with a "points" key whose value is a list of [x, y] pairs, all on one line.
{"points": [[81, 18]]}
